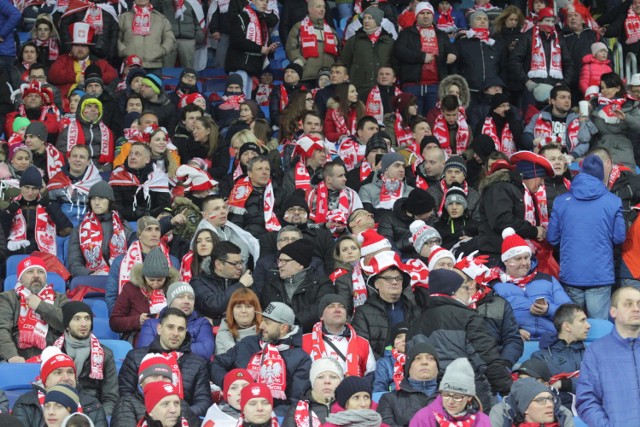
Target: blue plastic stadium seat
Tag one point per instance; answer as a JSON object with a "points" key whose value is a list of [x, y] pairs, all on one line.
{"points": [[171, 73], [212, 73], [599, 328], [99, 282], [24, 36], [12, 263], [120, 349], [99, 307], [102, 330], [377, 395], [530, 347], [58, 282], [16, 379], [265, 111], [134, 226]]}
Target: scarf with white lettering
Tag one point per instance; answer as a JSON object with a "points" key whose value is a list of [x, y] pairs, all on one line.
{"points": [[319, 350], [374, 103], [45, 231], [503, 143], [91, 236], [538, 67], [75, 136], [256, 32], [268, 367], [320, 196], [32, 330], [543, 129], [632, 27], [141, 24], [428, 40], [240, 194], [96, 357], [309, 40], [441, 132]]}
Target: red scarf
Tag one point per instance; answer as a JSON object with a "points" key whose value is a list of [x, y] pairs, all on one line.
{"points": [[309, 40], [441, 132], [180, 9], [351, 152], [481, 34], [143, 422], [96, 357], [45, 231], [321, 198], [173, 357], [52, 44], [256, 32], [231, 102], [302, 178], [75, 136], [91, 236], [442, 420], [632, 27], [428, 40], [419, 273], [421, 183], [374, 103], [267, 366], [133, 257], [503, 143], [616, 171], [445, 22], [284, 97], [241, 192], [32, 330], [319, 350], [404, 135], [262, 94], [94, 18], [341, 123], [539, 60], [185, 266], [157, 300], [398, 367], [141, 24], [365, 170], [608, 107], [357, 281], [444, 189], [304, 416], [389, 195], [543, 129], [44, 109], [375, 35], [520, 282], [535, 207]]}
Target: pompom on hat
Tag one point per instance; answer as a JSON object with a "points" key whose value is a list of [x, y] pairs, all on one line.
{"points": [[371, 241], [513, 245]]}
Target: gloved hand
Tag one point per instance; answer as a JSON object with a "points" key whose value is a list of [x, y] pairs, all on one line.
{"points": [[13, 207], [44, 201]]}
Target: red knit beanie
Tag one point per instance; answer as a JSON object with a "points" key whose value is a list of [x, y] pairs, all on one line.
{"points": [[253, 391], [156, 391], [233, 376]]}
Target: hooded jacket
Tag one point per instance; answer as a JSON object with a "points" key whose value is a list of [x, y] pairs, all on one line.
{"points": [[396, 229], [195, 375], [592, 71], [363, 59], [398, 407], [587, 222]]}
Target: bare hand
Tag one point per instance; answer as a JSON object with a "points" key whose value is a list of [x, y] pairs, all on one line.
{"points": [[542, 233], [539, 308], [557, 385], [428, 58], [143, 318], [216, 35], [620, 114], [451, 58], [16, 359], [33, 301], [247, 279], [179, 219], [524, 334]]}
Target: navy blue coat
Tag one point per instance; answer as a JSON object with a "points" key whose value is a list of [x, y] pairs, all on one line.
{"points": [[587, 222]]}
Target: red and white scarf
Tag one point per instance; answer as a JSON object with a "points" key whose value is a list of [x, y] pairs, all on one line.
{"points": [[374, 103], [141, 24], [373, 37], [309, 40], [32, 330], [157, 300], [185, 266], [503, 143], [445, 190], [301, 177], [157, 181], [538, 67], [284, 98], [75, 136], [632, 27], [143, 422], [445, 22], [607, 108], [319, 350], [616, 172], [268, 367], [52, 44], [404, 135], [392, 190], [256, 32], [91, 236], [176, 373], [262, 94], [45, 231], [340, 121], [398, 367], [543, 129], [421, 183], [304, 416], [321, 198], [365, 170], [357, 281], [535, 207], [352, 152], [96, 356], [231, 102], [94, 18], [240, 194], [441, 132], [133, 257], [428, 40], [520, 282], [61, 181], [418, 272], [442, 420], [481, 34], [44, 109]]}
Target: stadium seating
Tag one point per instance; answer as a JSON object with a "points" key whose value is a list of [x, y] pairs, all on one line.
{"points": [[58, 282], [120, 349], [599, 328], [16, 379]]}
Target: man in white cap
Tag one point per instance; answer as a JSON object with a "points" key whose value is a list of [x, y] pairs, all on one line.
{"points": [[30, 314]]}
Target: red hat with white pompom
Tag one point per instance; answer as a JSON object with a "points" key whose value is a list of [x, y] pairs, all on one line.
{"points": [[370, 242], [513, 245], [438, 253]]}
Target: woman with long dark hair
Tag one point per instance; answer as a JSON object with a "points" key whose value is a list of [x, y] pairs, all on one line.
{"points": [[344, 111]]}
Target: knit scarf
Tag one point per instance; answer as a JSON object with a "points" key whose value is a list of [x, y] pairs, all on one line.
{"points": [[520, 282], [256, 32], [441, 132], [240, 194], [374, 34], [374, 103], [267, 366], [94, 18], [632, 27], [176, 374], [231, 102], [133, 257], [79, 350], [607, 108], [481, 34], [309, 40], [341, 122], [543, 129], [143, 422], [45, 231], [301, 177], [536, 204], [32, 330], [141, 24], [445, 22], [157, 181], [404, 135], [398, 367], [91, 236], [304, 416], [351, 152], [185, 267], [503, 143], [75, 136], [318, 349], [445, 190], [539, 61], [428, 40], [321, 197], [157, 300], [392, 190], [52, 44], [357, 281], [442, 420]]}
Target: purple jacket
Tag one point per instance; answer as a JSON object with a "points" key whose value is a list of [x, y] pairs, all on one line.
{"points": [[425, 416]]}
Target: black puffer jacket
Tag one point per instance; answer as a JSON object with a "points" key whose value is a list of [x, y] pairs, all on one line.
{"points": [[478, 60], [502, 206], [322, 410], [195, 375], [213, 293], [555, 187], [410, 57], [310, 290], [396, 229], [28, 410], [243, 54], [131, 409], [398, 407], [456, 331], [371, 320]]}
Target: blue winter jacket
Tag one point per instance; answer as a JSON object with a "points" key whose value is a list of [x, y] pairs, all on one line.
{"points": [[202, 339], [458, 19], [9, 20], [521, 301], [384, 372], [587, 222], [608, 392]]}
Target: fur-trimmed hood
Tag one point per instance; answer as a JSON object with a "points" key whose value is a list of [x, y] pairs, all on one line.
{"points": [[458, 80], [137, 279], [503, 175]]}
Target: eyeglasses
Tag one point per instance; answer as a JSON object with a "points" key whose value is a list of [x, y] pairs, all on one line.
{"points": [[455, 397], [38, 78], [434, 241], [235, 264], [190, 76], [309, 99], [283, 261], [288, 239], [390, 279], [543, 400], [296, 210]]}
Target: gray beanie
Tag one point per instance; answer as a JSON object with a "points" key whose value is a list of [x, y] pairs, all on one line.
{"points": [[155, 264], [455, 194], [459, 378], [103, 190], [421, 233], [376, 13], [176, 289], [474, 15], [389, 159], [37, 129], [524, 391]]}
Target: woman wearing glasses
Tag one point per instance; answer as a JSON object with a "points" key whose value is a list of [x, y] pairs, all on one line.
{"points": [[456, 403]]}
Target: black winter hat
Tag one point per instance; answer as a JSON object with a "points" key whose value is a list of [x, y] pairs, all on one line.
{"points": [[429, 139], [295, 67], [445, 282], [301, 251], [414, 349], [456, 162], [398, 328], [296, 198], [535, 368], [350, 386], [420, 202], [72, 308], [233, 79], [483, 146], [329, 299], [498, 99], [31, 176], [249, 146], [377, 140]]}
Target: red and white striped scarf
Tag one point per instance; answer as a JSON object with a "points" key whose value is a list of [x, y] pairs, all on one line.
{"points": [[45, 231], [141, 24], [535, 207], [321, 198], [44, 109], [256, 32], [358, 284], [91, 236], [404, 135], [269, 367], [319, 350], [52, 44], [445, 21], [185, 266], [176, 373], [96, 356], [240, 193], [538, 67], [503, 143], [374, 103], [75, 136], [398, 367], [441, 132], [309, 40], [442, 421], [543, 129], [632, 27], [32, 330]]}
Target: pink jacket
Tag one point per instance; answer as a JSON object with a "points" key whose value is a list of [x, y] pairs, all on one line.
{"points": [[425, 418], [591, 72]]}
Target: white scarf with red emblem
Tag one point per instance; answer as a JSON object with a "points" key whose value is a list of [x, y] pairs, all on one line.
{"points": [[374, 103], [304, 416], [256, 32], [32, 330], [133, 257], [141, 24], [503, 143], [75, 136], [96, 357], [543, 129], [268, 367], [45, 231], [90, 235], [441, 132], [94, 18], [351, 152], [309, 40], [392, 190], [241, 192], [538, 67], [632, 27]]}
